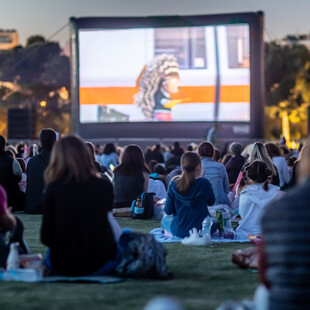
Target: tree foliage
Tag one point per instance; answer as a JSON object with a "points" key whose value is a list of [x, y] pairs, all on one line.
{"points": [[287, 86], [34, 40], [38, 71], [285, 68]]}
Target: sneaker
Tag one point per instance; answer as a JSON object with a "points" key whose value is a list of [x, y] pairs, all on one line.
{"points": [[196, 239]]}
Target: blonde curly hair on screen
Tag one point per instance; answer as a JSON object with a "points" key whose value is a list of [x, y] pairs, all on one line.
{"points": [[152, 74]]}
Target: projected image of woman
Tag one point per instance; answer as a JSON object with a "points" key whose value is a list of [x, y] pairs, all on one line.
{"points": [[157, 81]]}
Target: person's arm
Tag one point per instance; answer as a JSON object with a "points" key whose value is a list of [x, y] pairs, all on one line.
{"points": [[17, 170], [226, 181], [169, 206], [47, 228], [146, 181], [286, 173]]}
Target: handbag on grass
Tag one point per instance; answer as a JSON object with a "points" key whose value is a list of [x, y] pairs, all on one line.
{"points": [[143, 207]]}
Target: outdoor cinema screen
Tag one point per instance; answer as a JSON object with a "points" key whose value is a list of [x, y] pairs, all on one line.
{"points": [[165, 74]]}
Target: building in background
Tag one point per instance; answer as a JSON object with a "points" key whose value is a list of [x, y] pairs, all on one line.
{"points": [[8, 39]]}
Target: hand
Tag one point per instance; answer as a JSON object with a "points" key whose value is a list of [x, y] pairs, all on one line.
{"points": [[170, 104]]}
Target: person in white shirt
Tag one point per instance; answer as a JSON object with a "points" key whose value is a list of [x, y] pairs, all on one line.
{"points": [[254, 197]]}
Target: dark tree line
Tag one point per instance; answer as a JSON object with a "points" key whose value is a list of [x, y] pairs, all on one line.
{"points": [[37, 72]]}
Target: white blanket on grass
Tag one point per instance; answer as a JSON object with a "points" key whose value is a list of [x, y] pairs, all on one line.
{"points": [[161, 238]]}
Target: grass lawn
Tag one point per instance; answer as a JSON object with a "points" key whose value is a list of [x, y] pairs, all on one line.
{"points": [[203, 278]]}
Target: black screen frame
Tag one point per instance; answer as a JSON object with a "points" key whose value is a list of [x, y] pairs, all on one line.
{"points": [[175, 129]]}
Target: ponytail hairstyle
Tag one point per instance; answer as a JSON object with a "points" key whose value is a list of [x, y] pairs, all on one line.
{"points": [[189, 162], [259, 172]]}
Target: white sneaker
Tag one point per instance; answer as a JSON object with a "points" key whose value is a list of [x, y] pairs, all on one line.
{"points": [[195, 239]]}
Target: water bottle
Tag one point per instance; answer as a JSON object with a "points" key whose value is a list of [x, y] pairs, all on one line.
{"points": [[138, 203], [13, 260], [206, 226], [228, 232], [226, 221], [138, 207]]}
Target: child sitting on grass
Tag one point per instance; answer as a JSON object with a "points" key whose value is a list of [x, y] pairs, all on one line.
{"points": [[188, 198], [256, 194]]}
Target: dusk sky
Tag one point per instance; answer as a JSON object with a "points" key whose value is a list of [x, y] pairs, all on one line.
{"points": [[45, 17]]}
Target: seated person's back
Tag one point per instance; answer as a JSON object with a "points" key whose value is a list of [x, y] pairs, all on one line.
{"points": [[215, 173], [75, 223], [130, 177], [254, 197], [35, 171], [188, 198], [236, 162]]}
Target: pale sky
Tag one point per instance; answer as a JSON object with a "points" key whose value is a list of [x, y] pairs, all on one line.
{"points": [[45, 17]]}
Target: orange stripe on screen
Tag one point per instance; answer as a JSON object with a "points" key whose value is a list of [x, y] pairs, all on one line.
{"points": [[197, 94]]}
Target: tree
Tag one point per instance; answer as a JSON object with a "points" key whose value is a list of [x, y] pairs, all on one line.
{"points": [[38, 71], [287, 81], [34, 40]]}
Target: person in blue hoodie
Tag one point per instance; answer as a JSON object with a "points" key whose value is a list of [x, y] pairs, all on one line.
{"points": [[188, 198]]}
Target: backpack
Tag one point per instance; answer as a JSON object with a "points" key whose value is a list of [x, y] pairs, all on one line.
{"points": [[142, 257], [147, 210]]}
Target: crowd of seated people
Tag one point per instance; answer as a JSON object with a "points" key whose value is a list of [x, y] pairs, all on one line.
{"points": [[133, 172], [77, 186]]}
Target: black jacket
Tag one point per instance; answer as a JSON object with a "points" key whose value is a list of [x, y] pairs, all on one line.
{"points": [[9, 181], [75, 226], [126, 189], [234, 167], [35, 182]]}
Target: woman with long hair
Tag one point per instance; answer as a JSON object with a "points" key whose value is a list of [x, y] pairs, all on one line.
{"points": [[188, 198], [130, 179], [75, 224]]}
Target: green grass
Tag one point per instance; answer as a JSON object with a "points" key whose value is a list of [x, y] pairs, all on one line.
{"points": [[203, 278]]}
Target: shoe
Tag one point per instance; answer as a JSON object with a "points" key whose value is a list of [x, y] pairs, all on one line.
{"points": [[196, 239]]}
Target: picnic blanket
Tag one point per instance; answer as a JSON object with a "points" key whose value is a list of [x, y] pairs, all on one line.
{"points": [[161, 238], [32, 276], [90, 279]]}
